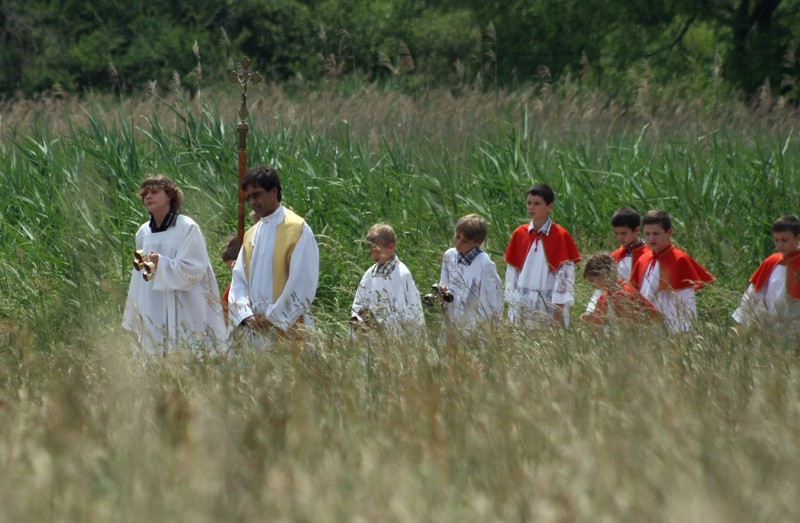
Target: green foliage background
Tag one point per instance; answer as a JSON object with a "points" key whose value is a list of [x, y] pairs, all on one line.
{"points": [[121, 46]]}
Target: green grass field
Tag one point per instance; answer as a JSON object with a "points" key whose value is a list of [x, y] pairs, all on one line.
{"points": [[525, 426]]}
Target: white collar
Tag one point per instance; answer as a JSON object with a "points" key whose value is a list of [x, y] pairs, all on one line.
{"points": [[544, 229]]}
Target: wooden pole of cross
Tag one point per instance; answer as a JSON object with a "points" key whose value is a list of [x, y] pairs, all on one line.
{"points": [[243, 77]]}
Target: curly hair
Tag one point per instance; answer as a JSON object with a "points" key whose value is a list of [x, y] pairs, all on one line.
{"points": [[173, 192]]}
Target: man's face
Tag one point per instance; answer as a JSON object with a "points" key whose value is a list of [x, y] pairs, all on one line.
{"points": [[625, 235], [656, 237], [785, 242], [262, 201], [538, 209]]}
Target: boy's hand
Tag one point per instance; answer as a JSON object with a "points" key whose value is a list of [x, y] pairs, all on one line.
{"points": [[558, 314], [154, 259], [258, 323]]}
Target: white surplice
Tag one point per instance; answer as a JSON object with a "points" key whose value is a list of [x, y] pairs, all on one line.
{"points": [[255, 297], [532, 292], [181, 303], [770, 305], [392, 300], [477, 290], [677, 306]]}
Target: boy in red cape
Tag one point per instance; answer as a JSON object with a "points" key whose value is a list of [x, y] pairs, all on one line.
{"points": [[619, 301], [626, 224], [541, 257], [773, 297], [666, 275]]}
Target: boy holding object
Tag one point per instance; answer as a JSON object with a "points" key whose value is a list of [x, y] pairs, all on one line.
{"points": [[471, 276], [386, 298]]}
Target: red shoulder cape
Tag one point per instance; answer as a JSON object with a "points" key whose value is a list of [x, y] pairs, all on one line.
{"points": [[676, 268], [559, 247], [636, 253], [628, 305], [792, 262]]}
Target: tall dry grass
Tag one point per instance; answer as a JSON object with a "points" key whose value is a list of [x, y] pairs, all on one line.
{"points": [[550, 426]]}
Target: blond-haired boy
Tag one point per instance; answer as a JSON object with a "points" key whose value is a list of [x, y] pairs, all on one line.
{"points": [[386, 298], [471, 277]]}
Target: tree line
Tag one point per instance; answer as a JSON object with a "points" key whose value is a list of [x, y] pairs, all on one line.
{"points": [[112, 45]]}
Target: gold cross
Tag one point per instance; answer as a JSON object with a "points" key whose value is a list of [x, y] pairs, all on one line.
{"points": [[243, 77]]}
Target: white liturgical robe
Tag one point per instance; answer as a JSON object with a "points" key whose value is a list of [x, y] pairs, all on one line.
{"points": [[181, 303], [255, 296], [392, 300], [477, 290]]}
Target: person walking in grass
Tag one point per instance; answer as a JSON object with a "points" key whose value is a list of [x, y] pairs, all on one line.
{"points": [[541, 258], [471, 278], [626, 224], [666, 275], [773, 297], [275, 276], [387, 298], [619, 302], [179, 305]]}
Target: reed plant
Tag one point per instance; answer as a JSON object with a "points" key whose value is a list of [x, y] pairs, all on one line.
{"points": [[549, 425]]}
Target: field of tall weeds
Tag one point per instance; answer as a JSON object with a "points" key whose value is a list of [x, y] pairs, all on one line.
{"points": [[532, 426]]}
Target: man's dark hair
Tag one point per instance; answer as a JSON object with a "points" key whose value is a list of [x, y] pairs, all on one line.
{"points": [[264, 177], [657, 217], [626, 217], [543, 190], [787, 223]]}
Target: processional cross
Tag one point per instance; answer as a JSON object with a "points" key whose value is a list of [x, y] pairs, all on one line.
{"points": [[242, 77]]}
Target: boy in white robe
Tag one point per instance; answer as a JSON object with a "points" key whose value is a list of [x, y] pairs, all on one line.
{"points": [[387, 298], [180, 303], [541, 257], [773, 297], [471, 278]]}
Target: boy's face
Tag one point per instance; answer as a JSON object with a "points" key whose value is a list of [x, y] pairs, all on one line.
{"points": [[656, 237], [625, 235], [785, 242], [381, 253], [538, 209], [262, 201], [155, 200], [600, 282], [463, 245]]}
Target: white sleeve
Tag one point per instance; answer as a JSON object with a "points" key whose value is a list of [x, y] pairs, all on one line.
{"points": [[749, 306], [512, 273], [443, 278], [301, 285], [490, 300], [564, 289], [239, 295], [361, 299], [410, 311], [593, 301], [187, 268]]}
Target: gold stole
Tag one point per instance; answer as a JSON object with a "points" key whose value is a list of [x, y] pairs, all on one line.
{"points": [[287, 234]]}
